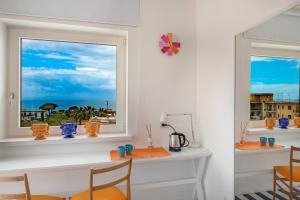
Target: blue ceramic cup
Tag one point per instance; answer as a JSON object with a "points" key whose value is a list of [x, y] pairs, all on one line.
{"points": [[129, 148], [263, 141], [271, 141], [121, 150], [68, 130], [283, 122]]}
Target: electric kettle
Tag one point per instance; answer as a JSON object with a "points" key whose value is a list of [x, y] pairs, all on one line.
{"points": [[177, 141]]}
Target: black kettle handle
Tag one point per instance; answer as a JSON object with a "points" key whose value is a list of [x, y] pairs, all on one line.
{"points": [[183, 140]]}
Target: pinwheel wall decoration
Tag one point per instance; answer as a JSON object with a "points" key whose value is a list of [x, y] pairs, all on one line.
{"points": [[168, 45]]}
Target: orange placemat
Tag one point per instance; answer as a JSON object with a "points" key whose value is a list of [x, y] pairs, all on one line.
{"points": [[255, 145], [141, 153]]}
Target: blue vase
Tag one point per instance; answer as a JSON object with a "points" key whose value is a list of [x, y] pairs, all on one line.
{"points": [[283, 122], [68, 130]]}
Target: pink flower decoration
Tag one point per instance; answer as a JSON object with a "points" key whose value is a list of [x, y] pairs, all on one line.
{"points": [[168, 46]]}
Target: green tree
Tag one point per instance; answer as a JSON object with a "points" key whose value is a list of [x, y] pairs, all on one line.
{"points": [[48, 107]]}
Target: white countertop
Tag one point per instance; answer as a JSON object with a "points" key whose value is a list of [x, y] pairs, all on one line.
{"points": [[84, 160]]}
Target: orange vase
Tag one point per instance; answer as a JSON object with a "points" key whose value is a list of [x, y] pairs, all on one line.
{"points": [[40, 131], [297, 121], [91, 129], [270, 122]]}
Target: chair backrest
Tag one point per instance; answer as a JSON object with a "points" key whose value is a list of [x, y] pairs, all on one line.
{"points": [[113, 183], [292, 155], [292, 161], [25, 195]]}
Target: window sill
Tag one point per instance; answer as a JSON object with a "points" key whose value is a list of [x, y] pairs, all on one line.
{"points": [[23, 141], [263, 131]]}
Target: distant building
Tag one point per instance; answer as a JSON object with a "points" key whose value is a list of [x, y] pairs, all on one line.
{"points": [[30, 115], [262, 105]]}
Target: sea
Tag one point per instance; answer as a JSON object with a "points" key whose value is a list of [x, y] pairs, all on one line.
{"points": [[65, 104]]}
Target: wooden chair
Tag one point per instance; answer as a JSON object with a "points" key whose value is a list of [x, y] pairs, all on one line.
{"points": [[107, 191], [26, 195], [287, 176]]}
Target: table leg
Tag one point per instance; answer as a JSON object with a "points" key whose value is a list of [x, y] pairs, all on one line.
{"points": [[201, 167]]}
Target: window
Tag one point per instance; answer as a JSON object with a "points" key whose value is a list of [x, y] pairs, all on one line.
{"points": [[274, 81], [67, 82], [66, 77]]}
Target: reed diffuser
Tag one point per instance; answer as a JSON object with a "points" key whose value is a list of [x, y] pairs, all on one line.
{"points": [[244, 126], [149, 139]]}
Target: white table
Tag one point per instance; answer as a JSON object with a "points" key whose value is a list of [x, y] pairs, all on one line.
{"points": [[174, 170]]}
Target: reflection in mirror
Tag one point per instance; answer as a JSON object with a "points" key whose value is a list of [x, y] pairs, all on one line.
{"points": [[266, 91]]}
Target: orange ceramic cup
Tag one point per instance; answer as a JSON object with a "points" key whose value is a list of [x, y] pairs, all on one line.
{"points": [[98, 124], [91, 129], [270, 122], [40, 131], [297, 121]]}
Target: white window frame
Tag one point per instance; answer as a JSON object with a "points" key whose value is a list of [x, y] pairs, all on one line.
{"points": [[15, 33]]}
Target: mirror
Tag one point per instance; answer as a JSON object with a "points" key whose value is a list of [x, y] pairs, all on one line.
{"points": [[266, 103]]}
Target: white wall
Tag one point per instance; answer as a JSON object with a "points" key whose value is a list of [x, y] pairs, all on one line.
{"points": [[124, 12], [3, 88], [217, 24], [165, 83], [283, 28]]}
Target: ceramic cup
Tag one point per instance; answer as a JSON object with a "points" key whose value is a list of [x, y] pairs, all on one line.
{"points": [[297, 121], [98, 124], [91, 129], [263, 141], [68, 130], [40, 131], [271, 141], [270, 122], [283, 122], [129, 148], [121, 150]]}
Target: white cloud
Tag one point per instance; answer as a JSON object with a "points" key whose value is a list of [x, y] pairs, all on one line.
{"points": [[95, 69], [86, 69], [78, 54], [89, 77], [270, 59], [55, 56], [281, 91], [260, 59]]}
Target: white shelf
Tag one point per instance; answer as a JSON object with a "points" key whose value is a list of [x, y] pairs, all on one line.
{"points": [[263, 131], [23, 141], [84, 160]]}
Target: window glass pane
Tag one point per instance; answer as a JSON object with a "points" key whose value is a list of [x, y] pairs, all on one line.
{"points": [[67, 82], [274, 87]]}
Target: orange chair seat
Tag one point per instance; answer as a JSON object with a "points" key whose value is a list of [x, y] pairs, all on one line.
{"points": [[285, 172], [110, 193], [44, 197]]}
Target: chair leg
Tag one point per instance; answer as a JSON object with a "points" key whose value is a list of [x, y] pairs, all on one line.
{"points": [[290, 194], [274, 184]]}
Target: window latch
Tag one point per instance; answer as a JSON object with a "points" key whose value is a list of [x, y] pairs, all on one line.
{"points": [[11, 98]]}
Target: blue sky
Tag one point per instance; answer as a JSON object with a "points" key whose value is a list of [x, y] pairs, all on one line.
{"points": [[275, 75], [53, 70]]}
